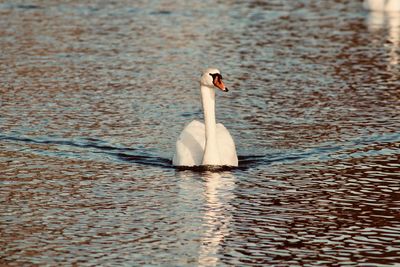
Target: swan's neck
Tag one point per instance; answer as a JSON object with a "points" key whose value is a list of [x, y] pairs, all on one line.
{"points": [[211, 153]]}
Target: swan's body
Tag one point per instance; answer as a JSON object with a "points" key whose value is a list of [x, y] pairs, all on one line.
{"points": [[209, 143], [191, 144], [382, 5]]}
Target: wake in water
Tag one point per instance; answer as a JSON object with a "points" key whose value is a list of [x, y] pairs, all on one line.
{"points": [[90, 149], [95, 149]]}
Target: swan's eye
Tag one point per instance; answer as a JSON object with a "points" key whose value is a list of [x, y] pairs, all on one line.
{"points": [[216, 76]]}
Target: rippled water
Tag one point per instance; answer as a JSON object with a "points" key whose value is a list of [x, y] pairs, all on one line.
{"points": [[94, 95]]}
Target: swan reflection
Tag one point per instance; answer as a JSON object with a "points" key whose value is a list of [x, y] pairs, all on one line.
{"points": [[217, 215], [214, 193]]}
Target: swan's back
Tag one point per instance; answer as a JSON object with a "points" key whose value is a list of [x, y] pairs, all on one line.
{"points": [[191, 142]]}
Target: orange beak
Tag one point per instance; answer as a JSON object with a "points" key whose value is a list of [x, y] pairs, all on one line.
{"points": [[217, 81]]}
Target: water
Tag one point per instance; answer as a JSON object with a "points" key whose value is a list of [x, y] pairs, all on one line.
{"points": [[94, 95]]}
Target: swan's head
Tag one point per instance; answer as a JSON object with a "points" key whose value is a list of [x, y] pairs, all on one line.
{"points": [[212, 78]]}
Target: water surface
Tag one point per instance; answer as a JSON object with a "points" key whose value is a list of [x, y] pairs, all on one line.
{"points": [[93, 96]]}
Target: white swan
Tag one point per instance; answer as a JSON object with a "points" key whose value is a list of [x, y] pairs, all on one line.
{"points": [[382, 5], [208, 144]]}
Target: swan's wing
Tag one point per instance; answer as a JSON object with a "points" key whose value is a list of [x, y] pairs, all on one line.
{"points": [[226, 146], [190, 145]]}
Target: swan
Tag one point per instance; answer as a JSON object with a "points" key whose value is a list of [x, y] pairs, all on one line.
{"points": [[382, 5], [209, 143]]}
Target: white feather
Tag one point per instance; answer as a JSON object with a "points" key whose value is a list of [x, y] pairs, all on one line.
{"points": [[209, 143], [191, 143]]}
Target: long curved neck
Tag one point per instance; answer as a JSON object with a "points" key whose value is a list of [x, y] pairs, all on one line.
{"points": [[211, 153]]}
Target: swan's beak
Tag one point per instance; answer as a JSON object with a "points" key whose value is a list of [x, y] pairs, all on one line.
{"points": [[222, 87], [220, 84]]}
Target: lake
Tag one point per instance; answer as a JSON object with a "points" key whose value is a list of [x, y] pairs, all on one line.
{"points": [[93, 95]]}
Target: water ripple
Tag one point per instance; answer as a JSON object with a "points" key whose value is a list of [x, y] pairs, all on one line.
{"points": [[94, 94]]}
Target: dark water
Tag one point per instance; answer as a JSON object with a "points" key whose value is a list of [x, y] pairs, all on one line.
{"points": [[94, 95]]}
